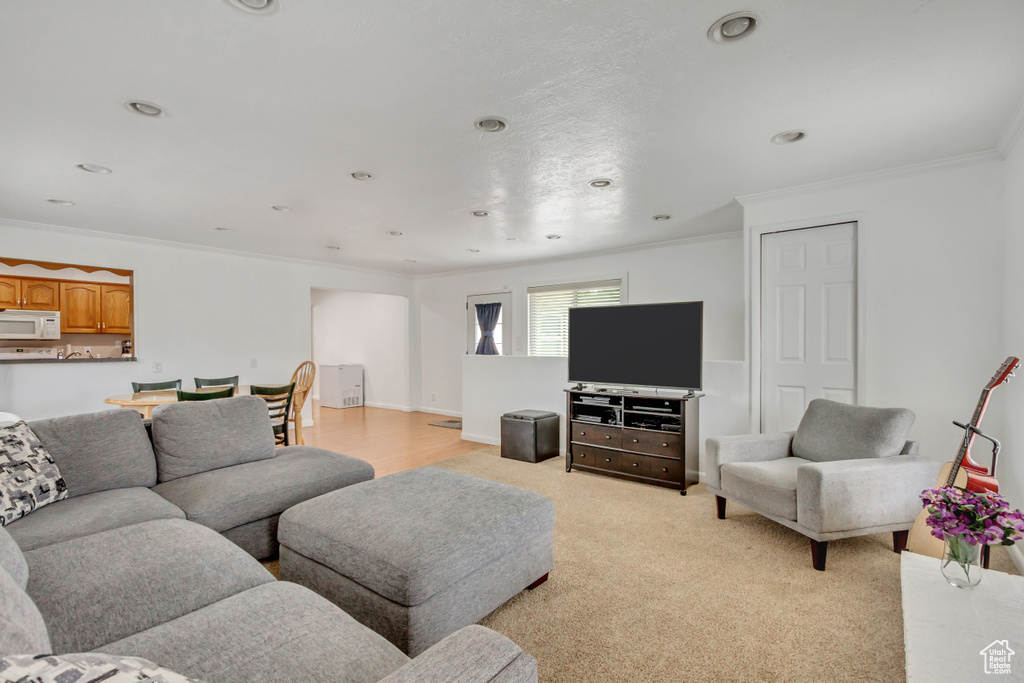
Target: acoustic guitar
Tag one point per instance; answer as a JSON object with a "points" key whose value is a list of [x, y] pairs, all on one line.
{"points": [[963, 472]]}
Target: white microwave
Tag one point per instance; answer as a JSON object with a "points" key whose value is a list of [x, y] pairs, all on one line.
{"points": [[17, 324]]}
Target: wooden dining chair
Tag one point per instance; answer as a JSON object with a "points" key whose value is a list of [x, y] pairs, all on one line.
{"points": [[302, 378], [279, 403], [155, 386], [226, 392], [216, 382]]}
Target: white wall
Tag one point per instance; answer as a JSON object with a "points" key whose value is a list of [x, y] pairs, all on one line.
{"points": [[934, 244], [197, 312], [1008, 403], [710, 270], [365, 329]]}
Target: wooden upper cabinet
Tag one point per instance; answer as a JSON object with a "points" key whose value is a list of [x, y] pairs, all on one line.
{"points": [[80, 307], [10, 292], [40, 295], [115, 309]]}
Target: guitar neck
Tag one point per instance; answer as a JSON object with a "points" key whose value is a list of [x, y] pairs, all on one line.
{"points": [[965, 446]]}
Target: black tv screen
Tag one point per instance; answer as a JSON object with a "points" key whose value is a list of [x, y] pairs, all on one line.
{"points": [[648, 345]]}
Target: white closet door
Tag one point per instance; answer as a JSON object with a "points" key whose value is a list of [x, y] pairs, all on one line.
{"points": [[808, 321]]}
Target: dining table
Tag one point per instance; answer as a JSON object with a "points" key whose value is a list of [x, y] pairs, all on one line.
{"points": [[145, 401]]}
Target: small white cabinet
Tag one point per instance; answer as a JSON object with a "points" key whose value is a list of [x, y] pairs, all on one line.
{"points": [[341, 386]]}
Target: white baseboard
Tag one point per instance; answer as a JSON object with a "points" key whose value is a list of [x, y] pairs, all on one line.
{"points": [[1017, 555], [481, 438], [388, 406], [438, 411]]}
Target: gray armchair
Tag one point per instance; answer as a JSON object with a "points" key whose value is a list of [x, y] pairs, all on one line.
{"points": [[846, 471]]}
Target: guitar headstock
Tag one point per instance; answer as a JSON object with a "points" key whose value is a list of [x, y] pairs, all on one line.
{"points": [[1004, 373]]}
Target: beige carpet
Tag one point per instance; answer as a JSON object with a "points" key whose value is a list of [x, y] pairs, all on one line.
{"points": [[649, 586]]}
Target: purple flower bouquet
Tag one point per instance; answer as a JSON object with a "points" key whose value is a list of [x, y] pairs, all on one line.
{"points": [[966, 521]]}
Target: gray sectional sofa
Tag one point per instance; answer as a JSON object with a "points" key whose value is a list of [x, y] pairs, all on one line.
{"points": [[137, 562]]}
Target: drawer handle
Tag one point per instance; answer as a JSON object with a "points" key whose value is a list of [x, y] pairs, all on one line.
{"points": [[636, 440], [583, 433], [664, 469], [664, 445], [607, 436], [636, 464], [607, 459]]}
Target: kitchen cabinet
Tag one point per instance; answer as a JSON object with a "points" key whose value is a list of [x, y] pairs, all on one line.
{"points": [[79, 307], [40, 295], [115, 309], [10, 292]]}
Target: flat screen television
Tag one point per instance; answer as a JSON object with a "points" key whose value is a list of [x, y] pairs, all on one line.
{"points": [[645, 345]]}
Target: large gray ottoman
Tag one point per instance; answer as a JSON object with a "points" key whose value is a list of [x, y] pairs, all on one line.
{"points": [[418, 555]]}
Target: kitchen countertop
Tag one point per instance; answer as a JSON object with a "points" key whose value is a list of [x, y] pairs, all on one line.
{"points": [[68, 360]]}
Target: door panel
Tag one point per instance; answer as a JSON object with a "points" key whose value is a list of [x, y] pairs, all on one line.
{"points": [[40, 295], [10, 292], [808, 321], [80, 307], [116, 309]]}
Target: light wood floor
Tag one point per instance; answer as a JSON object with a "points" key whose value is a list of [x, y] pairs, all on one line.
{"points": [[390, 440]]}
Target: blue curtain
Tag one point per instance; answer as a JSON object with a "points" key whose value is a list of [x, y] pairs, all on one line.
{"points": [[487, 316]]}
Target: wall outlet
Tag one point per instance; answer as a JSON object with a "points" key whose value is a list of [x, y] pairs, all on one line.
{"points": [[87, 350], [252, 362], [158, 367]]}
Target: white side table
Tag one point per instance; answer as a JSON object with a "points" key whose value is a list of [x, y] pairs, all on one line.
{"points": [[946, 628]]}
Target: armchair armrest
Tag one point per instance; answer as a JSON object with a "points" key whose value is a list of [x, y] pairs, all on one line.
{"points": [[844, 495], [722, 450], [470, 655]]}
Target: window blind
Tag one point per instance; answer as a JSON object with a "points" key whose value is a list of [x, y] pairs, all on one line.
{"points": [[549, 312]]}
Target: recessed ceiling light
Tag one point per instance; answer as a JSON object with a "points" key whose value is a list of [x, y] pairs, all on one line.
{"points": [[661, 217], [553, 237], [254, 6], [61, 202], [361, 175], [144, 108], [410, 260], [511, 239], [94, 168], [481, 214], [600, 182], [491, 124], [788, 137], [224, 229], [734, 27], [333, 246], [394, 233], [281, 207], [473, 251]]}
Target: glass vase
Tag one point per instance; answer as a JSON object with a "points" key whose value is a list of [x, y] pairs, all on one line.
{"points": [[961, 562]]}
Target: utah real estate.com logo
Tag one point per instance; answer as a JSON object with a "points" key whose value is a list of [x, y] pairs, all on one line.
{"points": [[997, 657]]}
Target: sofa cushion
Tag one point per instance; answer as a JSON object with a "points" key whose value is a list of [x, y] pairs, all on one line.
{"points": [[196, 436], [229, 497], [832, 431], [90, 514], [12, 559], [410, 535], [22, 628], [276, 632], [87, 667], [99, 451], [101, 588], [29, 479], [768, 487]]}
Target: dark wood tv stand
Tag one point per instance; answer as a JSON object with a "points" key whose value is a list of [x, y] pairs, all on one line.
{"points": [[638, 436]]}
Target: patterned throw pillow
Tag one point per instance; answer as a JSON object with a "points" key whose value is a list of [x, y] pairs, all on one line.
{"points": [[87, 667], [28, 476]]}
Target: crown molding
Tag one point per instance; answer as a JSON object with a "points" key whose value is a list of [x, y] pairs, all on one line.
{"points": [[585, 255], [117, 237], [872, 176], [1012, 132]]}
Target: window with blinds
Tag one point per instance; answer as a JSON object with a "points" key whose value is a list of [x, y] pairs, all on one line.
{"points": [[549, 312]]}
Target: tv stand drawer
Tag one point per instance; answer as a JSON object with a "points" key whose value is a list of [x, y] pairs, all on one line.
{"points": [[666, 469], [655, 443], [596, 457], [599, 435]]}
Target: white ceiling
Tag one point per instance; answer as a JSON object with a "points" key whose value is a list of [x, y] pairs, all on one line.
{"points": [[280, 109]]}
